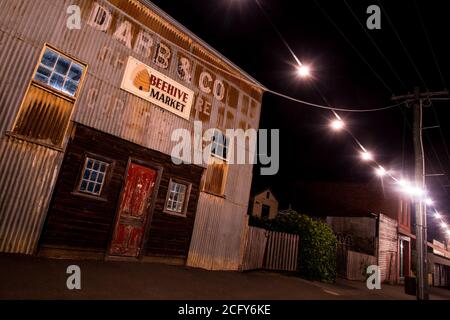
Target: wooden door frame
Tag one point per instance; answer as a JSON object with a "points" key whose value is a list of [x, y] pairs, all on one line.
{"points": [[150, 210]]}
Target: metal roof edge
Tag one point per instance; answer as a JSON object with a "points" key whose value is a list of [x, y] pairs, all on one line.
{"points": [[182, 28]]}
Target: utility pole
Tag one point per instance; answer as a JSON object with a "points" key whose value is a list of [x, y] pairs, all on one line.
{"points": [[417, 100]]}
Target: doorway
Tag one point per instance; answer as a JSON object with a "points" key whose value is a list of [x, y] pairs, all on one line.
{"points": [[404, 265], [133, 211]]}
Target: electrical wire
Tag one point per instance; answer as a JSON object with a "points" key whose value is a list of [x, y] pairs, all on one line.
{"points": [[376, 46], [422, 23], [316, 105], [403, 45], [361, 56]]}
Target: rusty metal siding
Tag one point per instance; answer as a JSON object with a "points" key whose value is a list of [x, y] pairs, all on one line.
{"points": [[28, 175], [25, 26], [219, 233]]}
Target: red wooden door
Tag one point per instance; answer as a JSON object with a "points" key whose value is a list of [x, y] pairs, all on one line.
{"points": [[133, 211]]}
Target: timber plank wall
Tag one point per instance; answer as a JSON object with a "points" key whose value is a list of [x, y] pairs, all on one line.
{"points": [[83, 223]]}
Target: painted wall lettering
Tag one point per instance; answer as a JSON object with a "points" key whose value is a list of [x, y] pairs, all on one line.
{"points": [[144, 44], [162, 57], [184, 69], [100, 18], [124, 34]]}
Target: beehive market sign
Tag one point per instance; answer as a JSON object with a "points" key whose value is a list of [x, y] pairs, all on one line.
{"points": [[155, 87]]}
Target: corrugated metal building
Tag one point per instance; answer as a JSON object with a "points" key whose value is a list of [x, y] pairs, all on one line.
{"points": [[86, 119]]}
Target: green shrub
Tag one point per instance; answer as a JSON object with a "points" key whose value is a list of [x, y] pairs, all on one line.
{"points": [[317, 245]]}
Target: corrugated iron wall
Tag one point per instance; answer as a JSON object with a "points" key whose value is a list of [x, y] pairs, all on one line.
{"points": [[24, 28], [28, 173]]}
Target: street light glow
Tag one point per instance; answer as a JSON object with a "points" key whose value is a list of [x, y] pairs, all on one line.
{"points": [[444, 225], [303, 71], [437, 215], [366, 156], [429, 201], [380, 171], [337, 124]]}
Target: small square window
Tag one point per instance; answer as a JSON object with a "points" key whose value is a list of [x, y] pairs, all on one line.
{"points": [[177, 197], [59, 72], [93, 177]]}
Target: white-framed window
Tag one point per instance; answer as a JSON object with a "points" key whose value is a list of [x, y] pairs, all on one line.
{"points": [[177, 197], [219, 145], [93, 176], [59, 72]]}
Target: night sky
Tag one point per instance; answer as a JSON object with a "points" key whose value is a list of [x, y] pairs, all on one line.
{"points": [[336, 52]]}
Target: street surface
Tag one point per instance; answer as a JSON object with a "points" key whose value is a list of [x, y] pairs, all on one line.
{"points": [[39, 278]]}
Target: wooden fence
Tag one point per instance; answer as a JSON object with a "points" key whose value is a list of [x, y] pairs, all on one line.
{"points": [[357, 264], [270, 250]]}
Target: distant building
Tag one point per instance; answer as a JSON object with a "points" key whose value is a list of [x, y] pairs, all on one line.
{"points": [[373, 226], [264, 205]]}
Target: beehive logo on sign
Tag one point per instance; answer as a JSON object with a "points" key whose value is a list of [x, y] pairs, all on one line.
{"points": [[141, 79]]}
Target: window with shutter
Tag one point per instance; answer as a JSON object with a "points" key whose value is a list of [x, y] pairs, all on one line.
{"points": [[47, 107]]}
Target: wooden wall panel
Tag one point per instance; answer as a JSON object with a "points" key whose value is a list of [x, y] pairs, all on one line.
{"points": [[79, 222], [388, 248]]}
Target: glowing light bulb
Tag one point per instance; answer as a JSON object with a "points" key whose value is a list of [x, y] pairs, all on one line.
{"points": [[337, 124], [303, 71], [380, 171], [366, 156]]}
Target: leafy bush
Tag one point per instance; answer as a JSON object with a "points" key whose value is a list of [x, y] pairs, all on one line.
{"points": [[317, 245]]}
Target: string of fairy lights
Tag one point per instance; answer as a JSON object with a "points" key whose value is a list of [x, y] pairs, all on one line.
{"points": [[338, 124], [406, 187]]}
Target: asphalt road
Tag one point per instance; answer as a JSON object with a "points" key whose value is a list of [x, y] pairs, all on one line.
{"points": [[38, 278]]}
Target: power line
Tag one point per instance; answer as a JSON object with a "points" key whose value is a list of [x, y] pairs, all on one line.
{"points": [[403, 45], [353, 47], [429, 43], [356, 110], [278, 32], [376, 46]]}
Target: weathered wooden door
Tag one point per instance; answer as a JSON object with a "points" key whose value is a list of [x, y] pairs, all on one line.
{"points": [[133, 211]]}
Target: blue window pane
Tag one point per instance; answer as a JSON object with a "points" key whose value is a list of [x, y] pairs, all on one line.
{"points": [[42, 74], [49, 58], [62, 66], [100, 177], [56, 81], [75, 72], [96, 166], [83, 186], [89, 163], [86, 174], [70, 87], [90, 187], [94, 176], [97, 188]]}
